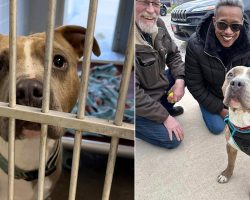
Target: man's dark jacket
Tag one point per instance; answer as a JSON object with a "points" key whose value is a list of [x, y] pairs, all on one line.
{"points": [[151, 83], [204, 69]]}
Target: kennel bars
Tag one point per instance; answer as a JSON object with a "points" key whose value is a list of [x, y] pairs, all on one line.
{"points": [[79, 122], [12, 97]]}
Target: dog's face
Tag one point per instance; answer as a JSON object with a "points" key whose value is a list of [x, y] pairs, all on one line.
{"points": [[67, 49], [236, 88]]}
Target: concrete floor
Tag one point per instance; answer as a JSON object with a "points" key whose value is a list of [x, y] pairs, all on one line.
{"points": [[190, 171]]}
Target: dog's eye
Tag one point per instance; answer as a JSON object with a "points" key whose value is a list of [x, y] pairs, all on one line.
{"points": [[59, 61], [230, 75]]}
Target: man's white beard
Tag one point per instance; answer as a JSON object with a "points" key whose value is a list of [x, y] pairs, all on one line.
{"points": [[148, 28]]}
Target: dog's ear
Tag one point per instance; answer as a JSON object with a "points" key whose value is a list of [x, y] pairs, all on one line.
{"points": [[75, 35]]}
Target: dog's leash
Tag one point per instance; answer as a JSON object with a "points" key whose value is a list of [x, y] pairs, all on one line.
{"points": [[33, 174]]}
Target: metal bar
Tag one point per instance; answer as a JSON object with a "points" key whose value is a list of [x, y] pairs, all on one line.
{"points": [[96, 147], [68, 120], [110, 168], [86, 57], [83, 92], [127, 68], [75, 165], [48, 55], [12, 98], [11, 158], [12, 42], [126, 73], [46, 95], [42, 162]]}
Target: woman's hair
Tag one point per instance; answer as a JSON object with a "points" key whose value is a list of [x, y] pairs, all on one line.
{"points": [[233, 3]]}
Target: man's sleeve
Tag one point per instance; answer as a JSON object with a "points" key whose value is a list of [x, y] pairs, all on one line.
{"points": [[173, 60], [147, 107]]}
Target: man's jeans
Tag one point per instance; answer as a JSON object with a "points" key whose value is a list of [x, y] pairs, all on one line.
{"points": [[214, 122], [156, 133]]}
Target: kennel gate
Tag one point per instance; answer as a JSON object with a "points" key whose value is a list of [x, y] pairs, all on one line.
{"points": [[116, 129]]}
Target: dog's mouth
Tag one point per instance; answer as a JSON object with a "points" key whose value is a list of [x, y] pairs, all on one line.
{"points": [[29, 130], [26, 129], [235, 103], [30, 133], [237, 100]]}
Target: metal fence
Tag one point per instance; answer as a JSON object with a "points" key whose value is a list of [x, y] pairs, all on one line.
{"points": [[116, 129]]}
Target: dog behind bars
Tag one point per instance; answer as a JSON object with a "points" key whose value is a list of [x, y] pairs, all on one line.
{"points": [[67, 49]]}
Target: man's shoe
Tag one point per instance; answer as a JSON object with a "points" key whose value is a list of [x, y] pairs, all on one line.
{"points": [[175, 111]]}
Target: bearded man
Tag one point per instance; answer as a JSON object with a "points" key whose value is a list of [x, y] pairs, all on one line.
{"points": [[159, 79]]}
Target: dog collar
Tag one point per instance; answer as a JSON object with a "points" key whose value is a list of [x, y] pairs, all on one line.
{"points": [[240, 137], [33, 174], [235, 129]]}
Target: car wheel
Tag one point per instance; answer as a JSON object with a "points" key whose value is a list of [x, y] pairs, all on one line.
{"points": [[163, 12]]}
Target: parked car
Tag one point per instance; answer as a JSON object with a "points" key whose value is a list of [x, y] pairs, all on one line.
{"points": [[165, 4], [186, 17]]}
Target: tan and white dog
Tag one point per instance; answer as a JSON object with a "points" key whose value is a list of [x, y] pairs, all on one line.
{"points": [[236, 89], [67, 49]]}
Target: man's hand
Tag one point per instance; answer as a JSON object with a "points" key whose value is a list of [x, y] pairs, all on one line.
{"points": [[178, 89], [173, 126], [224, 113]]}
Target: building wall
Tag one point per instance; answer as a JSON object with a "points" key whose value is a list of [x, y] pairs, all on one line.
{"points": [[4, 16], [31, 16]]}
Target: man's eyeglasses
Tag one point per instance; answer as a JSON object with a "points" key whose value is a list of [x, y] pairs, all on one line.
{"points": [[145, 3], [235, 27]]}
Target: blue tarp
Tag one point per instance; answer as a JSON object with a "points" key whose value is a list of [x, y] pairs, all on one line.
{"points": [[103, 92]]}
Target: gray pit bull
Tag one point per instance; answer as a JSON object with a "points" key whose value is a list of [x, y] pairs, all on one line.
{"points": [[236, 90], [67, 49]]}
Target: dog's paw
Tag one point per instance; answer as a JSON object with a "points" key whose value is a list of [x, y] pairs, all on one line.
{"points": [[222, 179]]}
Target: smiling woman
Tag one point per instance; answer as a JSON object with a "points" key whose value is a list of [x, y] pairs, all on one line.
{"points": [[228, 21], [219, 44]]}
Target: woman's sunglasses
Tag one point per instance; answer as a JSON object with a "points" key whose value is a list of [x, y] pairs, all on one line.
{"points": [[223, 26]]}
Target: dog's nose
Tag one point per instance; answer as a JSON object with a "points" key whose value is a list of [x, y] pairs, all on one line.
{"points": [[237, 84], [29, 93]]}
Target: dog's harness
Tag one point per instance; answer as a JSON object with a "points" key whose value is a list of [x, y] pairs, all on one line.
{"points": [[240, 136], [33, 174]]}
